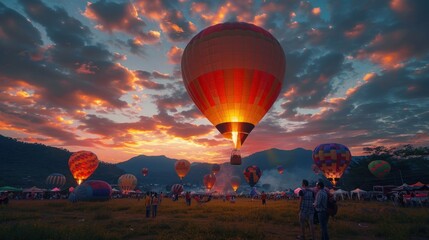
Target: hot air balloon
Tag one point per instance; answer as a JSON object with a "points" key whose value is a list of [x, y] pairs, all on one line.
{"points": [[145, 171], [91, 190], [379, 168], [177, 188], [209, 181], [233, 72], [280, 169], [215, 168], [332, 159], [182, 168], [56, 180], [252, 175], [82, 164], [235, 182], [127, 182]]}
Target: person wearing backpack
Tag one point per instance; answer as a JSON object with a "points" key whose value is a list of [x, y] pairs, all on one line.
{"points": [[306, 209], [321, 206]]}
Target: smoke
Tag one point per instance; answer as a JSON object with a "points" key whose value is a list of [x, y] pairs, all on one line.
{"points": [[223, 179], [272, 180]]}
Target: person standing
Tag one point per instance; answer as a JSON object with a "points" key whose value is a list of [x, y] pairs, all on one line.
{"points": [[321, 206], [264, 198], [155, 201], [148, 205], [306, 209]]}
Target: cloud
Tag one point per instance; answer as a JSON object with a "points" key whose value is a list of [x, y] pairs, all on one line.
{"points": [[174, 55]]}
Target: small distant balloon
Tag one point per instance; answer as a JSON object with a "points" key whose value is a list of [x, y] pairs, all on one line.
{"points": [[209, 181], [215, 168], [177, 188], [280, 169], [82, 165], [182, 168], [56, 180], [145, 171], [252, 174], [379, 168], [235, 182], [127, 182]]}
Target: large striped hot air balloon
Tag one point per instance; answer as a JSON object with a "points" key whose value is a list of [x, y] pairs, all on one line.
{"points": [[235, 182], [332, 159], [182, 168], [127, 182], [209, 181], [252, 175], [379, 168], [82, 164], [234, 73], [56, 180]]}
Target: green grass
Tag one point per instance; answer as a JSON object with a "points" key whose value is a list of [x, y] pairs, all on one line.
{"points": [[245, 219]]}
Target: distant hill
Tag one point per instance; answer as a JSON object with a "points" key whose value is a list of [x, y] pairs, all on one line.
{"points": [[28, 164]]}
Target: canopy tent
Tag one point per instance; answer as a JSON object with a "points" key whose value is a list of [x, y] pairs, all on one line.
{"points": [[417, 184], [34, 189], [10, 189], [403, 187], [341, 192], [55, 190], [359, 192]]}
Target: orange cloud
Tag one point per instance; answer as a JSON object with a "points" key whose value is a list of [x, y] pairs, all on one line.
{"points": [[369, 76], [174, 55], [356, 31], [315, 11], [399, 6]]}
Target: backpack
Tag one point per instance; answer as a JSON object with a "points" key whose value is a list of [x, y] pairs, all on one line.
{"points": [[332, 207]]}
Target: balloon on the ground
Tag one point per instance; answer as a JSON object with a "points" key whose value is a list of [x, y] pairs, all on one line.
{"points": [[56, 180], [235, 182], [252, 175], [332, 159], [379, 168], [91, 190], [233, 72], [182, 168], [215, 168], [145, 171], [177, 188], [209, 181], [82, 164], [127, 182], [280, 169]]}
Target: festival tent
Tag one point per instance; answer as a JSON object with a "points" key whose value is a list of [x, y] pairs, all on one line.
{"points": [[403, 187], [33, 189], [341, 192], [55, 190], [417, 184], [10, 189], [359, 192]]}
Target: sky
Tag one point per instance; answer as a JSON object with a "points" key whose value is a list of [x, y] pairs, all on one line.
{"points": [[105, 76]]}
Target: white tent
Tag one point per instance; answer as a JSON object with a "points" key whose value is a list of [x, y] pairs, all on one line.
{"points": [[33, 189], [341, 192], [359, 192]]}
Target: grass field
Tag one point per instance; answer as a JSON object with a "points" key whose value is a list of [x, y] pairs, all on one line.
{"points": [[245, 219]]}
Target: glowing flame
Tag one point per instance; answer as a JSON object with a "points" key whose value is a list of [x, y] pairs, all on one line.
{"points": [[79, 181], [235, 138]]}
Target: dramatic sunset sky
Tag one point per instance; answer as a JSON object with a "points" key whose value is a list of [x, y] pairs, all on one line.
{"points": [[104, 76]]}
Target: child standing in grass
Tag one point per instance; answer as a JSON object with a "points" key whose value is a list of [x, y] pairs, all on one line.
{"points": [[147, 203]]}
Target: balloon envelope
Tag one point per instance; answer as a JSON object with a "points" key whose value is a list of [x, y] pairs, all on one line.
{"points": [[332, 159], [91, 190], [209, 181], [182, 168], [252, 175], [145, 171], [127, 182], [235, 182], [177, 188], [82, 164], [56, 180], [234, 73], [379, 168], [280, 169]]}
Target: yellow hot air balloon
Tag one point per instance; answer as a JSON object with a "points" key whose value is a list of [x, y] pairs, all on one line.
{"points": [[82, 164], [234, 73], [127, 182], [182, 168]]}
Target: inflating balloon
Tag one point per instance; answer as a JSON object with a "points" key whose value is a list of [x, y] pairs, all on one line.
{"points": [[209, 181], [145, 171], [182, 168], [235, 182], [56, 180], [252, 175], [332, 159], [234, 73], [127, 182], [82, 164], [379, 168], [91, 190]]}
